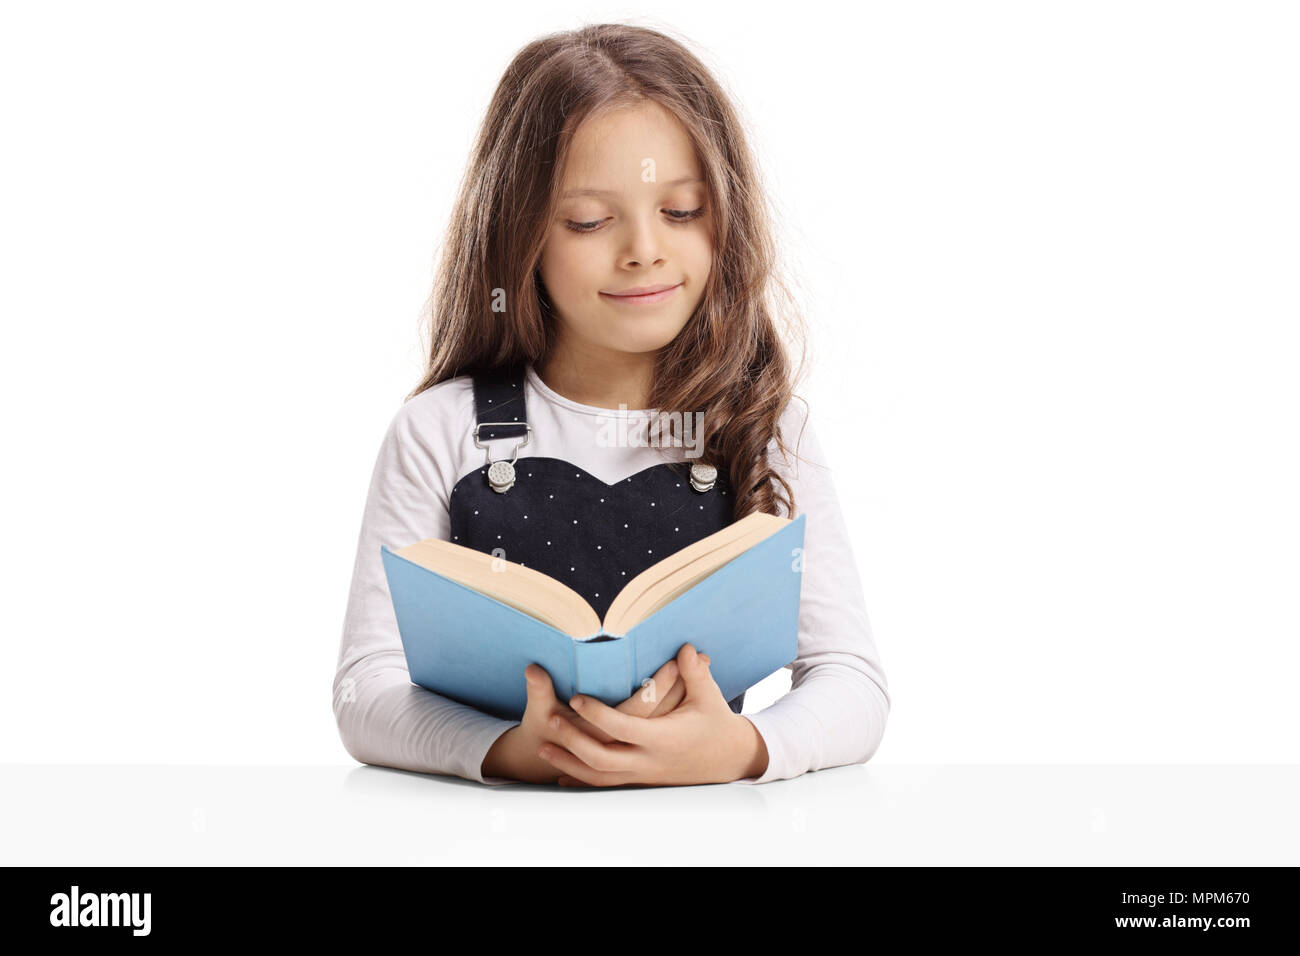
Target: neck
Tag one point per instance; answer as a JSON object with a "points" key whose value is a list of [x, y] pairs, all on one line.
{"points": [[599, 377]]}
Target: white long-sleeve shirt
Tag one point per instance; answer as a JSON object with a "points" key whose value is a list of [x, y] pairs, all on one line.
{"points": [[838, 703]]}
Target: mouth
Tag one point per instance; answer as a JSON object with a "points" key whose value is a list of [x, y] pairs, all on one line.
{"points": [[643, 295]]}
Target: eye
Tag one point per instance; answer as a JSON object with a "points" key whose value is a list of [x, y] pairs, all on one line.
{"points": [[674, 215], [680, 215], [583, 226]]}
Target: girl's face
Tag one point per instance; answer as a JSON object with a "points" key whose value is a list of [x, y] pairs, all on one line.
{"points": [[632, 215]]}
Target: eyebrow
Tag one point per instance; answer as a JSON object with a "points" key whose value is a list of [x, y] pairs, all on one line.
{"points": [[610, 192]]}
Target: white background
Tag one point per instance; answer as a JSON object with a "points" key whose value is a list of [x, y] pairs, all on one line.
{"points": [[1049, 254]]}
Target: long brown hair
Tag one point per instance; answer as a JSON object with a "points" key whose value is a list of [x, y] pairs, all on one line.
{"points": [[729, 359]]}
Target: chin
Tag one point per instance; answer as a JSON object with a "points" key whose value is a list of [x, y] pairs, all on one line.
{"points": [[639, 344], [647, 335]]}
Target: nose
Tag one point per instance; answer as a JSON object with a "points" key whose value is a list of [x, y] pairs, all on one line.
{"points": [[644, 246]]}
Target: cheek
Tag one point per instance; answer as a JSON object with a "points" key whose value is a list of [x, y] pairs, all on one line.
{"points": [[700, 255], [565, 267], [697, 245]]}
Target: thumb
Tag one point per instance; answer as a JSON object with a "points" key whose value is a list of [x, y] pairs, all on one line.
{"points": [[540, 690], [694, 669]]}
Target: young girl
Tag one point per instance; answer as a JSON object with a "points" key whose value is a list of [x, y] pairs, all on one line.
{"points": [[609, 257]]}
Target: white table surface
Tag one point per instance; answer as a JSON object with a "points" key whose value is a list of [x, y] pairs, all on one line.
{"points": [[873, 814]]}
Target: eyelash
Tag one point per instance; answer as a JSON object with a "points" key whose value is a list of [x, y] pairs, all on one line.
{"points": [[584, 227]]}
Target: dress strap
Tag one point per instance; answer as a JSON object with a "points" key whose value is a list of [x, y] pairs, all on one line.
{"points": [[499, 407]]}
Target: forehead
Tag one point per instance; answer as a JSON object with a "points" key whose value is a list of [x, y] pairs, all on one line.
{"points": [[610, 152]]}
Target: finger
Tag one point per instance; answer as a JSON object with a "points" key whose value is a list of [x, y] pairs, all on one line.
{"points": [[541, 692], [571, 766], [586, 727], [644, 701], [542, 702], [661, 693], [676, 694], [621, 726], [695, 671], [612, 757]]}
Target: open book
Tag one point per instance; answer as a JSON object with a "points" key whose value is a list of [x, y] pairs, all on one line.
{"points": [[470, 622]]}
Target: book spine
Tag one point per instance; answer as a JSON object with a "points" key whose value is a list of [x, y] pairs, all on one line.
{"points": [[604, 669]]}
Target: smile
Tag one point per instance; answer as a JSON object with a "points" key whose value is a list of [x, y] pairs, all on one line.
{"points": [[645, 298]]}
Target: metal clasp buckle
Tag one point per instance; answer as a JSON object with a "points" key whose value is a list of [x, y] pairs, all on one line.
{"points": [[501, 474]]}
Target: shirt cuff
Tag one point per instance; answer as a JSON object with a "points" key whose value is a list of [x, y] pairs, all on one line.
{"points": [[769, 727], [478, 749]]}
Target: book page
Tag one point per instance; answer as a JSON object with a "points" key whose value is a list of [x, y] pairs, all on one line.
{"points": [[665, 580]]}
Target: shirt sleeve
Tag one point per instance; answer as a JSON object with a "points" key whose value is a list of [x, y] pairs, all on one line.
{"points": [[838, 703], [384, 718]]}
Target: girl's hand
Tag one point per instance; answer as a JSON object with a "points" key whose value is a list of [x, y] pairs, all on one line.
{"points": [[661, 695], [701, 741], [514, 754]]}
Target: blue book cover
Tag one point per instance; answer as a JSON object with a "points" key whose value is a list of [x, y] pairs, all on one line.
{"points": [[470, 647]]}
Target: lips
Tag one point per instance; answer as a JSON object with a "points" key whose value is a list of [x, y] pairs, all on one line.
{"points": [[642, 294], [644, 289]]}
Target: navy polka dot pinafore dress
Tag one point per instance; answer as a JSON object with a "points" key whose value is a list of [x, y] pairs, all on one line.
{"points": [[563, 521]]}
